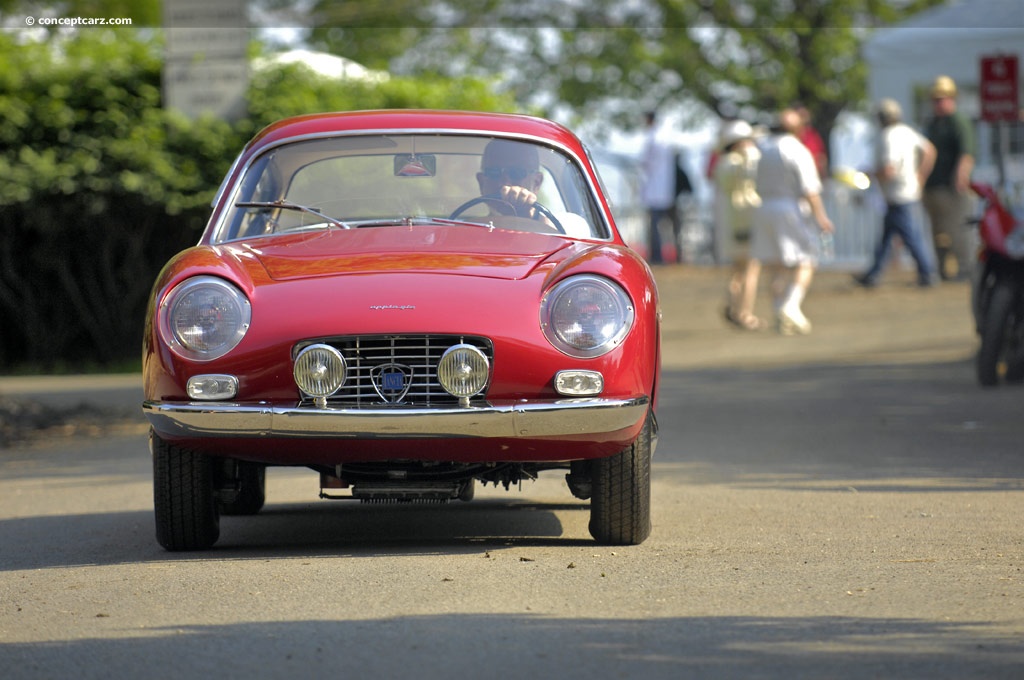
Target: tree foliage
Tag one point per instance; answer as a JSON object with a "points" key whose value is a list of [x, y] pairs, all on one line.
{"points": [[99, 185], [94, 181], [609, 59], [141, 12]]}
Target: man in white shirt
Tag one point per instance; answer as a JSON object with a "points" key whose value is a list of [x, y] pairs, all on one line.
{"points": [[659, 183], [904, 160], [787, 227]]}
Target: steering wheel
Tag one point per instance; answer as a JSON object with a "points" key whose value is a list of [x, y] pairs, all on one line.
{"points": [[495, 198]]}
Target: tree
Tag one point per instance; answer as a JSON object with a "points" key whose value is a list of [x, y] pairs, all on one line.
{"points": [[742, 58], [96, 184], [141, 12], [609, 59]]}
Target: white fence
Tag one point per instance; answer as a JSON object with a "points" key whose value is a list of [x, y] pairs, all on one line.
{"points": [[857, 215]]}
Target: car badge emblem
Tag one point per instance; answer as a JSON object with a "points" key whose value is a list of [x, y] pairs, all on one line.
{"points": [[392, 381]]}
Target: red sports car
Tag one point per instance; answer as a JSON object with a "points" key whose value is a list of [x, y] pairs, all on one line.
{"points": [[407, 303]]}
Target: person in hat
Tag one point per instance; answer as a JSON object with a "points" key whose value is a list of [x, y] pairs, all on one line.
{"points": [[904, 158], [736, 199], [946, 189]]}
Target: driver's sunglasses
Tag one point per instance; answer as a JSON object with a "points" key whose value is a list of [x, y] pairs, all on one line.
{"points": [[513, 173]]}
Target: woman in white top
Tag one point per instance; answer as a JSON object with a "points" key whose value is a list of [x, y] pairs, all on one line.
{"points": [[787, 227]]}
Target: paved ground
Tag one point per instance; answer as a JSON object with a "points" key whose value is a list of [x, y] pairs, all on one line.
{"points": [[896, 322]]}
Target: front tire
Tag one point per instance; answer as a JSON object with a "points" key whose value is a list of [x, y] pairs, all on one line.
{"points": [[994, 328], [183, 497], [620, 507]]}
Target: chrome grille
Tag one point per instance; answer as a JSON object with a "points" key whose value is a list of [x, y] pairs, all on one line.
{"points": [[420, 353]]}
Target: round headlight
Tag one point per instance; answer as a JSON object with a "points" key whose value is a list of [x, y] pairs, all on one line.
{"points": [[586, 316], [463, 371], [319, 371], [204, 318]]}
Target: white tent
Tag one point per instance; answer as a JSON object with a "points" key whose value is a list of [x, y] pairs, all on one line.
{"points": [[950, 39], [323, 64]]}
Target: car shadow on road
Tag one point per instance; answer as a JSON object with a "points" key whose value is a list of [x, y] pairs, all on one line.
{"points": [[359, 530], [321, 529]]}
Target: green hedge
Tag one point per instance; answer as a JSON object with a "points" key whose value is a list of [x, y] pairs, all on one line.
{"points": [[99, 185]]}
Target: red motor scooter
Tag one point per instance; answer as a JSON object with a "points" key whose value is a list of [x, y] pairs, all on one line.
{"points": [[999, 292]]}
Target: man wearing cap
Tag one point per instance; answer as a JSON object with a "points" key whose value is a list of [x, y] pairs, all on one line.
{"points": [[946, 190], [904, 158]]}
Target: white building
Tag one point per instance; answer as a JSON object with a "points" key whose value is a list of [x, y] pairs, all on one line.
{"points": [[950, 40]]}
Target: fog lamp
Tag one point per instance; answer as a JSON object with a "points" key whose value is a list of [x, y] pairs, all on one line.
{"points": [[319, 371], [463, 371], [579, 383]]}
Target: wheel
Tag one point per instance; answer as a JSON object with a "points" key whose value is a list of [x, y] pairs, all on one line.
{"points": [[183, 498], [620, 507], [494, 198], [1015, 370], [1015, 345], [995, 325], [251, 493]]}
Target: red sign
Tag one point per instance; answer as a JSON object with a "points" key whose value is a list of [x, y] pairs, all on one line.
{"points": [[999, 88]]}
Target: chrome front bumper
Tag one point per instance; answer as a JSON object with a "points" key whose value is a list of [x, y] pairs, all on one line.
{"points": [[568, 417]]}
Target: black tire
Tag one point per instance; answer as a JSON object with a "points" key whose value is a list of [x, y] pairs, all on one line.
{"points": [[183, 498], [994, 326], [1015, 347], [620, 508], [1015, 372], [252, 491]]}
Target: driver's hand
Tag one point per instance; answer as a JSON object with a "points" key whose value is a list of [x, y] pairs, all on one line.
{"points": [[520, 198]]}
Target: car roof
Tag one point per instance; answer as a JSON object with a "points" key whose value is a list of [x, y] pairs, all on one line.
{"points": [[319, 124]]}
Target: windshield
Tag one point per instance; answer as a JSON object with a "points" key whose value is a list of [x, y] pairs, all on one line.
{"points": [[376, 181]]}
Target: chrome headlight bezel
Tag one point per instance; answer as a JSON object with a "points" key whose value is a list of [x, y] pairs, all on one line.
{"points": [[574, 329], [204, 329]]}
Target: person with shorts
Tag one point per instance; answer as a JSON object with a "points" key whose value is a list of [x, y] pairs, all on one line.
{"points": [[787, 227]]}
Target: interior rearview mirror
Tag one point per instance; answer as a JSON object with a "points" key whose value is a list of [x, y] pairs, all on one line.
{"points": [[413, 165]]}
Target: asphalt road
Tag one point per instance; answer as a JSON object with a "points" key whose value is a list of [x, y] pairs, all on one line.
{"points": [[842, 505]]}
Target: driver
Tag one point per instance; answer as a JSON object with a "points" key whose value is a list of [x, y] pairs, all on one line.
{"points": [[510, 171]]}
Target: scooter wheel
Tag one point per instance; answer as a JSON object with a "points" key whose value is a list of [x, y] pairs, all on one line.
{"points": [[995, 326]]}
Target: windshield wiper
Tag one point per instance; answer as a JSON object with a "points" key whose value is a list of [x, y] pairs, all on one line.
{"points": [[408, 221], [288, 205]]}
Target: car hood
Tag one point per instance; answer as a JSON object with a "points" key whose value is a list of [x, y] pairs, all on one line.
{"points": [[452, 249]]}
